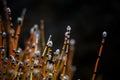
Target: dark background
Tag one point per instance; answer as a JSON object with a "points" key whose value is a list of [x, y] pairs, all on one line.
{"points": [[88, 19]]}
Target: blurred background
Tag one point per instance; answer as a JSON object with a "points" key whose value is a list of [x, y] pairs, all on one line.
{"points": [[88, 19]]}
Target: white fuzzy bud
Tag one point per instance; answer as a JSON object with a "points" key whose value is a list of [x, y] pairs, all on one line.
{"points": [[35, 71], [49, 43], [12, 58], [72, 42], [36, 62], [68, 28], [19, 20], [104, 34], [50, 75], [49, 57], [67, 34], [34, 28], [4, 34], [19, 50], [57, 52], [20, 63], [8, 10], [3, 51], [37, 53], [65, 77], [6, 59], [49, 66]]}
